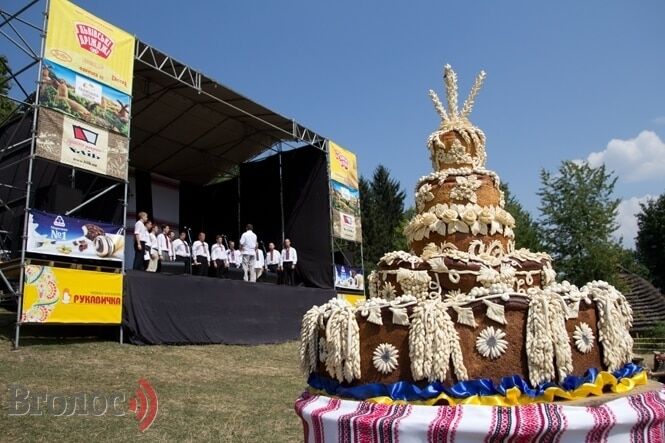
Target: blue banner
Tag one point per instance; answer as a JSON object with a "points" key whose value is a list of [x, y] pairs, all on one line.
{"points": [[65, 236]]}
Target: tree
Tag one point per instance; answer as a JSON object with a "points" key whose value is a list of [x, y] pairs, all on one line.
{"points": [[578, 217], [6, 105], [527, 232], [382, 207], [650, 240]]}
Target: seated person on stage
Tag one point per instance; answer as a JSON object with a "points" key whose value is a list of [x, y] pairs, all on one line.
{"points": [[259, 263], [273, 258], [248, 247], [201, 253], [288, 264], [233, 256], [165, 245], [183, 252], [154, 259], [141, 238], [219, 257]]}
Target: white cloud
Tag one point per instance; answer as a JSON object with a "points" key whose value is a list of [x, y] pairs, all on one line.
{"points": [[627, 221], [634, 160]]}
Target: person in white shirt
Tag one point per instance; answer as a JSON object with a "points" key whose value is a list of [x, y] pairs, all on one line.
{"points": [[233, 255], [140, 239], [201, 254], [357, 281], [219, 257], [154, 259], [273, 258], [165, 246], [288, 262], [183, 252], [248, 247], [259, 263]]}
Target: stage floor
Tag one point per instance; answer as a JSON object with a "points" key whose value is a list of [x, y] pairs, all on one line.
{"points": [[186, 309]]}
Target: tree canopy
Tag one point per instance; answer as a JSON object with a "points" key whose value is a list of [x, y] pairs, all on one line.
{"points": [[650, 240]]}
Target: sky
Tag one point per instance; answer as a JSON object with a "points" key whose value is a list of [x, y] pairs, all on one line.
{"points": [[566, 80]]}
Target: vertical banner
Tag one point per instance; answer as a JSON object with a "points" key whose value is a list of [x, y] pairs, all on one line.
{"points": [[62, 295], [87, 44], [344, 193]]}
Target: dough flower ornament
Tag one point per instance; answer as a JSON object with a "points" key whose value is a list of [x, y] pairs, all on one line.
{"points": [[490, 343], [584, 338], [385, 358]]}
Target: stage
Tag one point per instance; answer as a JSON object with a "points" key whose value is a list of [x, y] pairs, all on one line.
{"points": [[186, 309]]}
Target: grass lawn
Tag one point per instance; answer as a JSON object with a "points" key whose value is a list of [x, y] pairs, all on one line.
{"points": [[209, 393]]}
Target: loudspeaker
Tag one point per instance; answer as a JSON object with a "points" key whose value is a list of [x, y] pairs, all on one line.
{"points": [[173, 267]]}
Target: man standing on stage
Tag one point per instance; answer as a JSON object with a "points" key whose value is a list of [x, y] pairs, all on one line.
{"points": [[288, 264], [201, 253], [183, 252], [219, 257], [140, 240], [248, 248], [154, 259], [259, 263], [165, 246], [273, 258], [233, 255]]}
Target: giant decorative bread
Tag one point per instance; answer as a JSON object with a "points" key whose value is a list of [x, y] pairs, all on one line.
{"points": [[464, 317]]}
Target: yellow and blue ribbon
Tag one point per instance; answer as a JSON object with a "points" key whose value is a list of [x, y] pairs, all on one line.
{"points": [[511, 391]]}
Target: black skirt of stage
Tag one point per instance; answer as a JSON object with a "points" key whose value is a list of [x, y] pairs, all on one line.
{"points": [[185, 309]]}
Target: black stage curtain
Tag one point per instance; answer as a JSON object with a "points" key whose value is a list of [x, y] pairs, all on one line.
{"points": [[184, 309], [143, 192], [259, 199], [307, 214], [212, 209]]}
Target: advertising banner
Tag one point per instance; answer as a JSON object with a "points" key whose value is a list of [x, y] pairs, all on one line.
{"points": [[70, 237], [60, 295], [347, 277], [89, 45], [343, 165], [84, 98], [346, 212], [62, 139]]}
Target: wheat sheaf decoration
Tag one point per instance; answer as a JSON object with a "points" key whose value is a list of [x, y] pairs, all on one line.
{"points": [[453, 119]]}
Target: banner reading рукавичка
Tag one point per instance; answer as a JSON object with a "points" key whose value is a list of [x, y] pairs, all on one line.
{"points": [[71, 237]]}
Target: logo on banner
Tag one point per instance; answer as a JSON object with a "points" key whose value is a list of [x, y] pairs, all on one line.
{"points": [[86, 135], [144, 404], [59, 222], [59, 229], [88, 89], [343, 161], [93, 40], [348, 225]]}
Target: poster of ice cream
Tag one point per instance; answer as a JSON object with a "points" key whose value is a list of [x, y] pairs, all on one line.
{"points": [[72, 237]]}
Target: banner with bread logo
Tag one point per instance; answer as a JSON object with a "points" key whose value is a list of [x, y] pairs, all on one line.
{"points": [[59, 235], [63, 295], [87, 44], [343, 165], [62, 139]]}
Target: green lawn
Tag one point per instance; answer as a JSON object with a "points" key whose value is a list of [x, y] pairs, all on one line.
{"points": [[210, 393]]}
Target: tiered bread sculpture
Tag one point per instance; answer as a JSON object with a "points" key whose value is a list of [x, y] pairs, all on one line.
{"points": [[464, 317]]}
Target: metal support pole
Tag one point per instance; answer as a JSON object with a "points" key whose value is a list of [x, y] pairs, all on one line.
{"points": [[28, 188], [330, 211], [281, 195], [93, 198]]}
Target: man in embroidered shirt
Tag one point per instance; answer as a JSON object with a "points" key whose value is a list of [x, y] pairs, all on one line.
{"points": [[273, 258], [165, 246], [140, 240], [234, 257], [219, 257], [248, 247], [259, 263], [183, 252], [201, 253], [288, 264]]}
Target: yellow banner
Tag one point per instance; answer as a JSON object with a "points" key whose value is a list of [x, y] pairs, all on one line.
{"points": [[89, 45], [343, 165], [60, 295]]}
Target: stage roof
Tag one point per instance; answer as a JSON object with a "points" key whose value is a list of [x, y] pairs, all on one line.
{"points": [[188, 127]]}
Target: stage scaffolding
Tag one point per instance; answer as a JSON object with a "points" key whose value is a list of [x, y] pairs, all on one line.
{"points": [[25, 31]]}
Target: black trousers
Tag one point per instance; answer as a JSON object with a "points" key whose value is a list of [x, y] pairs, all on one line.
{"points": [[203, 265], [273, 268], [288, 273], [220, 270], [187, 261], [139, 262]]}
